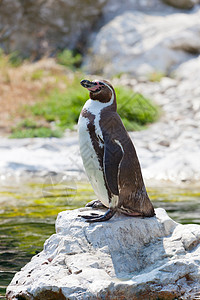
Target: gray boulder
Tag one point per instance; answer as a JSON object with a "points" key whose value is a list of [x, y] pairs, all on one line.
{"points": [[124, 258], [114, 8], [184, 4], [40, 27], [142, 44]]}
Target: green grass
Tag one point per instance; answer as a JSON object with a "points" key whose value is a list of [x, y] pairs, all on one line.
{"points": [[59, 99], [135, 110], [69, 59], [63, 108], [30, 129], [37, 75]]}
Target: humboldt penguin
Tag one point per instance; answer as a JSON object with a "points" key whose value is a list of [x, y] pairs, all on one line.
{"points": [[109, 156]]}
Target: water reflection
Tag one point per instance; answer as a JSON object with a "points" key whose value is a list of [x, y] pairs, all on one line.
{"points": [[182, 204], [28, 213]]}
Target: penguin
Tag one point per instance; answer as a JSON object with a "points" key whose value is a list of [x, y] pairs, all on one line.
{"points": [[109, 156]]}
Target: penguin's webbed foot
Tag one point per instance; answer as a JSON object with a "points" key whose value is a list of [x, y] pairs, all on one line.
{"points": [[95, 204], [91, 216], [100, 218]]}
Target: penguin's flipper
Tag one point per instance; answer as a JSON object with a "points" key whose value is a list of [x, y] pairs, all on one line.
{"points": [[113, 155], [100, 218]]}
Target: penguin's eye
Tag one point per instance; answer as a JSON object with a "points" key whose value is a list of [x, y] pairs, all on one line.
{"points": [[102, 85]]}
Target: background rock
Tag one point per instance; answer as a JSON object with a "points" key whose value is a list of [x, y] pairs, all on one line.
{"points": [[141, 44], [126, 257], [115, 8], [184, 4], [41, 27]]}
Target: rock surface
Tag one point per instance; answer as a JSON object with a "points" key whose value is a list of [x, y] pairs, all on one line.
{"points": [[143, 43], [115, 8], [40, 27], [40, 157], [126, 258], [184, 4]]}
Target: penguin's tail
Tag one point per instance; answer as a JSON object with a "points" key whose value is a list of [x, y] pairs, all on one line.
{"points": [[134, 213]]}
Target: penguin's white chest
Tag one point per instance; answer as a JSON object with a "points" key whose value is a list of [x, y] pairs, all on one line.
{"points": [[90, 158]]}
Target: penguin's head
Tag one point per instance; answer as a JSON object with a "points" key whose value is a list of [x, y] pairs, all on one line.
{"points": [[99, 90]]}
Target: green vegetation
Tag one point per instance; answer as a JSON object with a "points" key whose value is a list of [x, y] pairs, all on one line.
{"points": [[30, 129], [69, 59], [55, 97], [10, 60], [63, 107], [15, 59], [135, 110], [42, 132], [37, 75]]}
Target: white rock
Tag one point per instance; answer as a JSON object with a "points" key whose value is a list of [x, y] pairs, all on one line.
{"points": [[167, 83], [189, 71], [141, 44], [41, 156], [127, 257]]}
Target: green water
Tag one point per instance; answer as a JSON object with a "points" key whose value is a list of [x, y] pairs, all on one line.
{"points": [[28, 212]]}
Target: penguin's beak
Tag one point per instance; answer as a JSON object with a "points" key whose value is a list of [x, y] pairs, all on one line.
{"points": [[92, 86], [88, 84]]}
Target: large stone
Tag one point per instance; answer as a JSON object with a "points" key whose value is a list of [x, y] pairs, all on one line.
{"points": [[184, 4], [189, 72], [124, 258], [114, 8], [142, 44], [40, 27]]}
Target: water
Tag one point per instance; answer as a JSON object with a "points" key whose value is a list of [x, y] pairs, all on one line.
{"points": [[28, 212]]}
